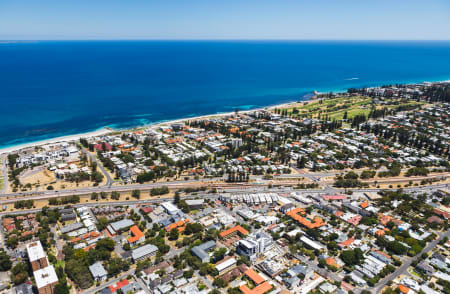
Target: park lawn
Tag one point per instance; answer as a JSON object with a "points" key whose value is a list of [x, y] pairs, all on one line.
{"points": [[357, 105], [327, 105]]}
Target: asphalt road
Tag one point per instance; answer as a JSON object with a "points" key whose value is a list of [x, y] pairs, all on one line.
{"points": [[7, 198], [109, 180], [109, 283]]}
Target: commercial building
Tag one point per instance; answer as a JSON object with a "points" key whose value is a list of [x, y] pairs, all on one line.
{"points": [[195, 203], [137, 236], [170, 208], [313, 244], [317, 222], [201, 251], [179, 225], [254, 245], [262, 286], [71, 227], [226, 265], [230, 233], [144, 252], [113, 228]]}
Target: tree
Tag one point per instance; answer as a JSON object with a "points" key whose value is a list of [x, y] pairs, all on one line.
{"points": [[19, 273], [159, 191], [136, 194], [5, 262], [102, 223], [220, 254], [12, 242], [396, 248], [61, 288], [219, 282], [352, 257], [188, 274], [177, 197], [97, 177], [79, 272], [115, 195], [94, 196], [105, 244], [117, 265], [173, 235]]}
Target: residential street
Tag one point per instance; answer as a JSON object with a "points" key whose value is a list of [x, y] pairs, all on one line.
{"points": [[109, 283], [109, 180], [404, 267]]}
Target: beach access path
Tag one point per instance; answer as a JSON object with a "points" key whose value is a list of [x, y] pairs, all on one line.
{"points": [[4, 174]]}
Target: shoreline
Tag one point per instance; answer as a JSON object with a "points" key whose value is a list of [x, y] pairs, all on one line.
{"points": [[68, 138], [106, 130]]}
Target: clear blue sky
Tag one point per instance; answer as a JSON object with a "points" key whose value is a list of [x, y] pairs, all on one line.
{"points": [[225, 19]]}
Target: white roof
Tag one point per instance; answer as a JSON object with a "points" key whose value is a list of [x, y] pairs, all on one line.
{"points": [[169, 207], [45, 276], [195, 201], [97, 270], [313, 244], [227, 263], [35, 251]]}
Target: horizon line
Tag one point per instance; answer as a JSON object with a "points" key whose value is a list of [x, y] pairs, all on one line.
{"points": [[231, 40]]}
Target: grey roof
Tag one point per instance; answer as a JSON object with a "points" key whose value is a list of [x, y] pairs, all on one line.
{"points": [[425, 266], [201, 251], [122, 224], [191, 202], [105, 290], [143, 251], [24, 289], [128, 288], [300, 269], [292, 281], [97, 270], [287, 206], [65, 210], [165, 222], [71, 227], [68, 216]]}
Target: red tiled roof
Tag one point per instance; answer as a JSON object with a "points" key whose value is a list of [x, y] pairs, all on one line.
{"points": [[238, 228], [260, 289], [334, 197], [136, 234], [146, 209], [118, 285], [254, 276], [316, 223], [347, 242]]}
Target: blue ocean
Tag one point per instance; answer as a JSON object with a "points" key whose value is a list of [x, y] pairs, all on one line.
{"points": [[55, 88]]}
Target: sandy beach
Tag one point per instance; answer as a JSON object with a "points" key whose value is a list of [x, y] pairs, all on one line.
{"points": [[68, 138], [106, 130]]}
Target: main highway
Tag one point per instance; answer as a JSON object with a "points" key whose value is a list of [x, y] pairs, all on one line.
{"points": [[211, 183]]}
